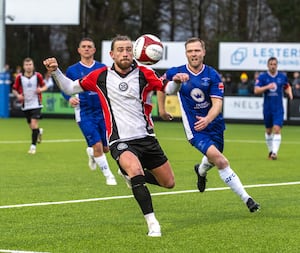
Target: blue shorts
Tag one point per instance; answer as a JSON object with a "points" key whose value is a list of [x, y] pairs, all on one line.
{"points": [[203, 140], [273, 118], [94, 130]]}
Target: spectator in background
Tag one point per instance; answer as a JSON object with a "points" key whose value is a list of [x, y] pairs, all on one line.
{"points": [[8, 75], [229, 86], [252, 82], [296, 78], [17, 72], [244, 88], [295, 82], [49, 81], [296, 88]]}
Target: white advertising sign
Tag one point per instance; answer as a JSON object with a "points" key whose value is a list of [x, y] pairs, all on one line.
{"points": [[254, 56], [249, 108], [174, 55], [42, 12]]}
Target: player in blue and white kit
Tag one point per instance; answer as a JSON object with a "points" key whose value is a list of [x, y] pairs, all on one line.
{"points": [[201, 98], [272, 84], [88, 111]]}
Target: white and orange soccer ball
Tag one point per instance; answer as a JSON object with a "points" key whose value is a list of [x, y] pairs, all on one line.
{"points": [[148, 49]]}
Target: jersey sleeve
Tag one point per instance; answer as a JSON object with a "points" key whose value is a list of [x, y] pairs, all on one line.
{"points": [[153, 79], [89, 82], [217, 86], [17, 85], [69, 75], [40, 79]]}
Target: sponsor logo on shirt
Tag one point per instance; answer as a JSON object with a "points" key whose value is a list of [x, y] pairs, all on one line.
{"points": [[123, 86], [197, 95]]}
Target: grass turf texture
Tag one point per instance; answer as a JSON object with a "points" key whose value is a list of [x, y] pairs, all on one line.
{"points": [[214, 221]]}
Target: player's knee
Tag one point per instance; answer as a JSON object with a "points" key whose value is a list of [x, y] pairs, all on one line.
{"points": [[222, 163], [170, 183]]}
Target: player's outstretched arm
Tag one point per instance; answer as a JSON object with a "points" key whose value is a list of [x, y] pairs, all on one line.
{"points": [[161, 98], [174, 85], [67, 85]]}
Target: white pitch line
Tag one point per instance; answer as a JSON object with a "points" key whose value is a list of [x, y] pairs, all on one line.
{"points": [[19, 251], [131, 196], [161, 138], [46, 141]]}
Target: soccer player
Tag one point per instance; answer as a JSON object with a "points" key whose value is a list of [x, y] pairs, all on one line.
{"points": [[201, 98], [272, 84], [28, 87], [124, 91], [88, 111]]}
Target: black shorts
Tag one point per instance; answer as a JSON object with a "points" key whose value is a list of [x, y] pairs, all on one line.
{"points": [[33, 114], [147, 149]]}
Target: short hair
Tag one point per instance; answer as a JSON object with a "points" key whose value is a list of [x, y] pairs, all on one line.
{"points": [[195, 39], [118, 38], [272, 59], [86, 39], [27, 59]]}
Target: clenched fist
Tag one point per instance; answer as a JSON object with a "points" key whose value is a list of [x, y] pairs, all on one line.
{"points": [[51, 64]]}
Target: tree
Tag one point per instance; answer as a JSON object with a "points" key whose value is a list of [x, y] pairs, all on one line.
{"points": [[171, 20]]}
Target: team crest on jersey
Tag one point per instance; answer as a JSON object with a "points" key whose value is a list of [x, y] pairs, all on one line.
{"points": [[197, 95], [123, 86], [205, 81], [122, 146], [275, 88]]}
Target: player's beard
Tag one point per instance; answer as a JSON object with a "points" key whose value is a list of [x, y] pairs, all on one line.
{"points": [[124, 64]]}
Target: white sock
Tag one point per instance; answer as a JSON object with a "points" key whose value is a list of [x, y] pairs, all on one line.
{"points": [[233, 181], [150, 218], [90, 150], [204, 166], [269, 141], [103, 164], [276, 143]]}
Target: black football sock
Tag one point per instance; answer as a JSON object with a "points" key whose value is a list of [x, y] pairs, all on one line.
{"points": [[34, 136], [142, 194]]}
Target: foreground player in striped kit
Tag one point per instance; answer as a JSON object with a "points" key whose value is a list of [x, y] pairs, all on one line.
{"points": [[125, 90], [201, 99]]}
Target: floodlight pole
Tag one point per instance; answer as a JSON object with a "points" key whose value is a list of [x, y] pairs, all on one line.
{"points": [[2, 35]]}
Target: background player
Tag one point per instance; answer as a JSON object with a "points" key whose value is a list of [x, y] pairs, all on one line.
{"points": [[28, 87], [88, 111], [271, 84], [201, 98]]}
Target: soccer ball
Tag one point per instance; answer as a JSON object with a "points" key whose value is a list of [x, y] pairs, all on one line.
{"points": [[148, 49]]}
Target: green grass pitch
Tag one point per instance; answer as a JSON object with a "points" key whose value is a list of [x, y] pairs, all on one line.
{"points": [[107, 219]]}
